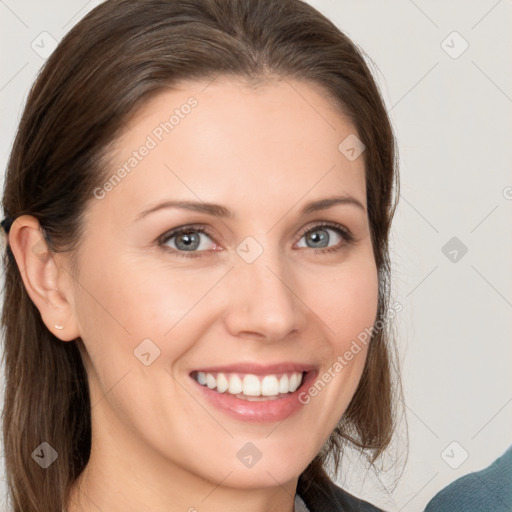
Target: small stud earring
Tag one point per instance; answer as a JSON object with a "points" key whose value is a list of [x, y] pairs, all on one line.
{"points": [[59, 326]]}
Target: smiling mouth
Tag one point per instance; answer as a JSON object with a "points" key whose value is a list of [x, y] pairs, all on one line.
{"points": [[248, 386]]}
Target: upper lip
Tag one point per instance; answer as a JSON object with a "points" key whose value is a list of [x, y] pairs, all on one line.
{"points": [[257, 368]]}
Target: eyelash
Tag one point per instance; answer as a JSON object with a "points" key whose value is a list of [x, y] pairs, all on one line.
{"points": [[201, 228]]}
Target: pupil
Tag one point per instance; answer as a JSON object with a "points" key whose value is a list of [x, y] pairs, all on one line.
{"points": [[189, 240]]}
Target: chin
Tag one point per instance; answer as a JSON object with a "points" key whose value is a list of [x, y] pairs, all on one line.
{"points": [[261, 477], [274, 467]]}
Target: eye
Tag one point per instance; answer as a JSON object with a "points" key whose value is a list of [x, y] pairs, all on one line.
{"points": [[191, 239], [320, 235]]}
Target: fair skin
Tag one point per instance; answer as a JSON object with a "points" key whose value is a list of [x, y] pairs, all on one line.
{"points": [[264, 153]]}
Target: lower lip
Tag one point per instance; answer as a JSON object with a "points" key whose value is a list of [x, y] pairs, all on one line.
{"points": [[264, 411]]}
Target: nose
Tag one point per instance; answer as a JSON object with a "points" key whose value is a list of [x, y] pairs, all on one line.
{"points": [[263, 302]]}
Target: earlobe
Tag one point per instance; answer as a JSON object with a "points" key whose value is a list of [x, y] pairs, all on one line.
{"points": [[41, 273]]}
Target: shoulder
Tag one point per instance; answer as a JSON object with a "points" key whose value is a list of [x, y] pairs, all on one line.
{"points": [[326, 496], [489, 489]]}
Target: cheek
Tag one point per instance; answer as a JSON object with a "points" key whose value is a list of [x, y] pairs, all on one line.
{"points": [[346, 301], [134, 301], [347, 306]]}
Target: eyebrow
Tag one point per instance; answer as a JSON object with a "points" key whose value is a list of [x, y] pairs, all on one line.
{"points": [[219, 211]]}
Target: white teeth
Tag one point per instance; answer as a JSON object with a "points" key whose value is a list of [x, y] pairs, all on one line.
{"points": [[283, 384], [251, 385], [294, 382], [211, 381], [222, 383], [269, 385], [235, 385]]}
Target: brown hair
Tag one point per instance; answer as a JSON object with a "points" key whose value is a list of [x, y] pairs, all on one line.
{"points": [[116, 57]]}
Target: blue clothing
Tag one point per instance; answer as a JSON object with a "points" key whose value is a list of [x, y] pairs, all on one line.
{"points": [[489, 490]]}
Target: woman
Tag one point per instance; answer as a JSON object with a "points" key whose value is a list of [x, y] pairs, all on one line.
{"points": [[198, 203]]}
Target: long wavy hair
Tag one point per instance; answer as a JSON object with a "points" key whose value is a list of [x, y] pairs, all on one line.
{"points": [[116, 58]]}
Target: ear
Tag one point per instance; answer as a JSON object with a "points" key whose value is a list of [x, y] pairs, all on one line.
{"points": [[47, 281]]}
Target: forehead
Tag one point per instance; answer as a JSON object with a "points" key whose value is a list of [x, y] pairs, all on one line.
{"points": [[208, 140]]}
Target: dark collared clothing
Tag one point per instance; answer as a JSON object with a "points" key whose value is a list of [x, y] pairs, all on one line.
{"points": [[328, 497]]}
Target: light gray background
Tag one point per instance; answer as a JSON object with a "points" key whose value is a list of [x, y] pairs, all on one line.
{"points": [[453, 119]]}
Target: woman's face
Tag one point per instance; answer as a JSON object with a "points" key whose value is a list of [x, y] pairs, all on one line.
{"points": [[257, 291]]}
